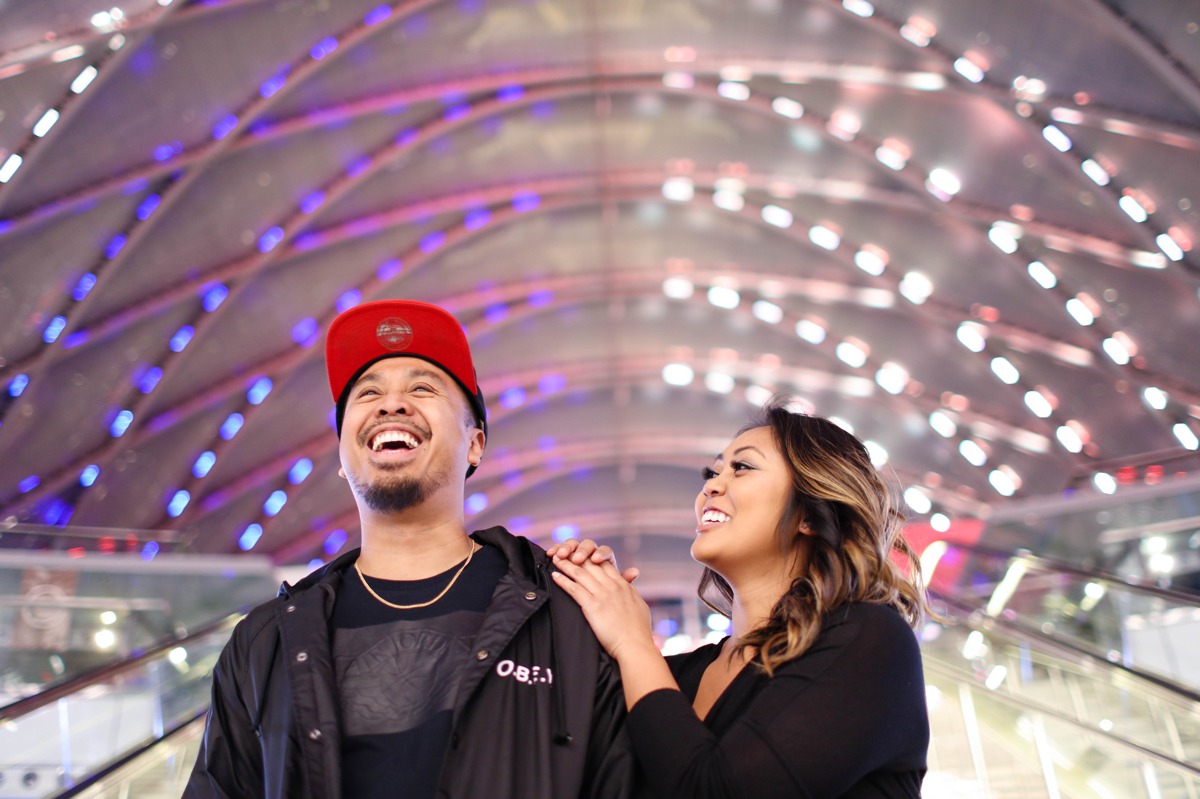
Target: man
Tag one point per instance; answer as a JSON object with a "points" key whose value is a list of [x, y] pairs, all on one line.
{"points": [[429, 663]]}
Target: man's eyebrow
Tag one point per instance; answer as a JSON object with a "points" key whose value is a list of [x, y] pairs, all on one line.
{"points": [[416, 373]]}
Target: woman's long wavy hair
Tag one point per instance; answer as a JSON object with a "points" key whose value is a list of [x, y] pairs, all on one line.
{"points": [[855, 523]]}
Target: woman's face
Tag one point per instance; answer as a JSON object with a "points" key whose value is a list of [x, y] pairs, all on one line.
{"points": [[738, 511]]}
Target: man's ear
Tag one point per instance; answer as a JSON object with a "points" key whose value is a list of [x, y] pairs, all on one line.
{"points": [[341, 473], [475, 448]]}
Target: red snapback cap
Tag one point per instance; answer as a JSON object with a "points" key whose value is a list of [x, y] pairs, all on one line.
{"points": [[369, 332]]}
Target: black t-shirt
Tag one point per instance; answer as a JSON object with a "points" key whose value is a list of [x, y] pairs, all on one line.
{"points": [[398, 672], [845, 719]]}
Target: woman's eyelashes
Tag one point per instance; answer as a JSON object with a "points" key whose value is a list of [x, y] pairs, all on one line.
{"points": [[709, 473]]}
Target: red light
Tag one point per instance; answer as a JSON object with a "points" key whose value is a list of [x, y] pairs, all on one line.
{"points": [[76, 552], [1126, 475]]}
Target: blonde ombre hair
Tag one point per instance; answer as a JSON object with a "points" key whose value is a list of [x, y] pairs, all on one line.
{"points": [[851, 525]]}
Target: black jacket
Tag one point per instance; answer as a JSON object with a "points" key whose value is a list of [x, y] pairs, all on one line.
{"points": [[540, 713]]}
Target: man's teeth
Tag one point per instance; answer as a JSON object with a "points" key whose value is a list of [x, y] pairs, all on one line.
{"points": [[391, 437], [714, 516]]}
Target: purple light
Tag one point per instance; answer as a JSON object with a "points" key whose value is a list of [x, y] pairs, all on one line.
{"points": [[150, 550], [510, 93], [457, 112], [495, 314], [477, 219], [75, 339], [54, 329], [181, 338], [335, 541], [232, 424], [300, 471], [519, 524], [565, 532], [323, 48], [305, 331], [551, 384], [525, 201], [433, 241], [249, 537], [542, 110], [115, 245], [163, 152], [178, 502], [85, 284], [312, 202], [58, 512], [89, 475], [204, 463], [476, 502], [359, 166], [29, 483], [315, 564], [272, 85], [121, 423], [135, 186], [349, 300], [406, 137], [541, 298], [389, 269], [17, 385], [224, 126], [148, 206], [374, 17], [268, 240], [150, 379], [275, 503], [259, 391], [512, 398], [215, 296], [546, 443]]}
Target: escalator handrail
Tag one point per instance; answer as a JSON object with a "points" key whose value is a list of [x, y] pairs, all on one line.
{"points": [[21, 707], [1024, 704], [1050, 564], [1058, 646]]}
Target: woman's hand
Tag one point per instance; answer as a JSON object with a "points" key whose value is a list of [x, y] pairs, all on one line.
{"points": [[581, 551], [618, 615]]}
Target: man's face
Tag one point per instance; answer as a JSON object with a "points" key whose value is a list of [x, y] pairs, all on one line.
{"points": [[407, 434]]}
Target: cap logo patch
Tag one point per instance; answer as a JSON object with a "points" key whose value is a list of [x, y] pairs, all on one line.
{"points": [[394, 334]]}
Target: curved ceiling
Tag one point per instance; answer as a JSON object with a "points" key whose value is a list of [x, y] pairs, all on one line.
{"points": [[966, 230]]}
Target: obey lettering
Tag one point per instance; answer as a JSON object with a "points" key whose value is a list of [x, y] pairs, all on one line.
{"points": [[530, 675]]}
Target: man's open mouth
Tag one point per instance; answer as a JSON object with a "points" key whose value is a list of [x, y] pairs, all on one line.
{"points": [[391, 440]]}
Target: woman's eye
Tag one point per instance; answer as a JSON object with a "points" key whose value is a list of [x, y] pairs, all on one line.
{"points": [[741, 466], [707, 473]]}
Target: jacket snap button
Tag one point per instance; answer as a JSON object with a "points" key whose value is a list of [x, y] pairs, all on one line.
{"points": [[531, 595], [314, 734], [482, 654], [303, 656], [291, 608]]}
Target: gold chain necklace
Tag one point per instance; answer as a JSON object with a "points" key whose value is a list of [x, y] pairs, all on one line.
{"points": [[363, 578]]}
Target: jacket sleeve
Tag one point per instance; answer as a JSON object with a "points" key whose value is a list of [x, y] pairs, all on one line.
{"points": [[853, 704], [229, 764], [611, 764]]}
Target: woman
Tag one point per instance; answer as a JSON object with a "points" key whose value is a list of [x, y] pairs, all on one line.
{"points": [[818, 690]]}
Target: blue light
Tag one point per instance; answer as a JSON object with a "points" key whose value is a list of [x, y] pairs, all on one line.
{"points": [[406, 137], [551, 384], [181, 338], [275, 502], [542, 110], [666, 627], [17, 385], [57, 512], [222, 128], [75, 339], [121, 424], [457, 112], [510, 93], [312, 202], [512, 398], [323, 48], [359, 166], [148, 206], [541, 298], [271, 85], [495, 314], [232, 424], [89, 475], [29, 483], [215, 296], [204, 463], [375, 16], [85, 284], [259, 391], [565, 532], [305, 331], [115, 245], [525, 201], [546, 443], [149, 550], [315, 564], [300, 471], [163, 152], [349, 300], [54, 329], [335, 541], [476, 502], [249, 537], [518, 524], [477, 219], [389, 269], [178, 503], [433, 241], [268, 240], [150, 379]]}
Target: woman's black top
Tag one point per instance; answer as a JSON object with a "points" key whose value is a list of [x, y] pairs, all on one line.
{"points": [[845, 719]]}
